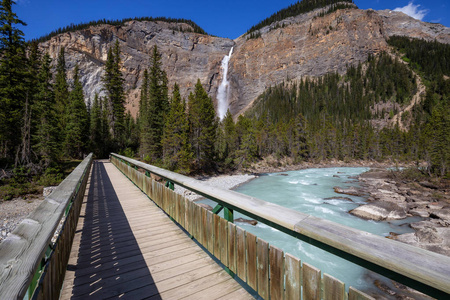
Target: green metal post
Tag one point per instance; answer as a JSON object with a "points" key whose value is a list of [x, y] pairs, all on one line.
{"points": [[217, 209], [228, 215], [170, 185]]}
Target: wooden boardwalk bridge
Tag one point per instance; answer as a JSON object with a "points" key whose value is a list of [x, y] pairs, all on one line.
{"points": [[112, 230], [125, 246]]}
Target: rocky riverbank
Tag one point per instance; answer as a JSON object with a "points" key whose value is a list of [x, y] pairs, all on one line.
{"points": [[12, 212], [391, 197]]}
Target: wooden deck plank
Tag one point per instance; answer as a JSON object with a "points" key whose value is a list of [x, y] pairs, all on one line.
{"points": [[116, 266], [174, 282], [126, 247], [237, 294], [194, 287], [212, 292], [147, 243]]}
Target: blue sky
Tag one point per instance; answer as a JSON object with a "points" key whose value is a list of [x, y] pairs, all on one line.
{"points": [[221, 18]]}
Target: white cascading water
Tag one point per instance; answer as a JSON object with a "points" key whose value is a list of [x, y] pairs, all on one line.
{"points": [[224, 88]]}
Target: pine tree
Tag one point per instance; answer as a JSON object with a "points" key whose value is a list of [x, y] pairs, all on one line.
{"points": [[229, 134], [77, 130], [299, 141], [96, 127], [131, 133], [247, 151], [154, 109], [439, 140], [13, 74], [45, 142], [106, 145], [61, 90], [115, 95], [24, 154], [203, 124], [177, 152]]}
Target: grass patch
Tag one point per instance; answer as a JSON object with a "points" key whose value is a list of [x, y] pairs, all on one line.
{"points": [[10, 191], [25, 184]]}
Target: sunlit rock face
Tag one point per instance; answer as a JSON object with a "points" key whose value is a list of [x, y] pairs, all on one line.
{"points": [[306, 45], [185, 56]]}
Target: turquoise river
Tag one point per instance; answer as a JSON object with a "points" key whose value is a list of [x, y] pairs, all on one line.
{"points": [[311, 191]]}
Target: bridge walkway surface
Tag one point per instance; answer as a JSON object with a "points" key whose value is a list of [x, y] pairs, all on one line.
{"points": [[126, 247]]}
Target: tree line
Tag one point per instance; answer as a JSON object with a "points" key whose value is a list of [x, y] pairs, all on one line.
{"points": [[431, 60], [331, 117], [44, 118], [175, 134], [76, 27], [300, 7]]}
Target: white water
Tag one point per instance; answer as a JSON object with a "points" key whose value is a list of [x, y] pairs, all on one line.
{"points": [[311, 191], [224, 88]]}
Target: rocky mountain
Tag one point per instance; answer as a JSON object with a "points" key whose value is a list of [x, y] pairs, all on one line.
{"points": [[307, 45]]}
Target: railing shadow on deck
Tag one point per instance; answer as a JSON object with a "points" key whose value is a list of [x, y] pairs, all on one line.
{"points": [[110, 262]]}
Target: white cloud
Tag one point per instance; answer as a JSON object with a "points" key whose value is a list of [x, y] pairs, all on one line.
{"points": [[413, 10]]}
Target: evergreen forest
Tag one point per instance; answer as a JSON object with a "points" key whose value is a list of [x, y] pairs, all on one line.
{"points": [[81, 26], [45, 120], [300, 7]]}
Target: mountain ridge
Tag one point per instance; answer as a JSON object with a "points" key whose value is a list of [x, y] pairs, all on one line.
{"points": [[304, 45]]}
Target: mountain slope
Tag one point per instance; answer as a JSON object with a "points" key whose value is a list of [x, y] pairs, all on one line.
{"points": [[186, 55], [306, 45]]}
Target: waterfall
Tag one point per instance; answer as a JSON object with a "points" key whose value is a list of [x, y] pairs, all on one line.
{"points": [[224, 88]]}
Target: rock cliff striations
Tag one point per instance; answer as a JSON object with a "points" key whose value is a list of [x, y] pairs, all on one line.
{"points": [[306, 45]]}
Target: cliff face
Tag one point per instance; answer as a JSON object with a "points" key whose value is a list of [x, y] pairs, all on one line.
{"points": [[306, 45], [186, 56]]}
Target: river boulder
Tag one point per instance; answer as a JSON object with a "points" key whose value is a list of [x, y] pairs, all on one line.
{"points": [[380, 211], [242, 220], [348, 191]]}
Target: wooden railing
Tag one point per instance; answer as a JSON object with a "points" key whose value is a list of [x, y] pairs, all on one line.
{"points": [[29, 260], [266, 268]]}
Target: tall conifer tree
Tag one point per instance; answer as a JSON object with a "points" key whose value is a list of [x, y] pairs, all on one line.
{"points": [[96, 127], [154, 109], [229, 134], [45, 142], [203, 124], [105, 129], [177, 152], [439, 144], [13, 71], [61, 94], [77, 120], [115, 95], [24, 154]]}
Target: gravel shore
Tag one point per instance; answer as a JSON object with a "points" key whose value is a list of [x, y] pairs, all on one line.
{"points": [[12, 212]]}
